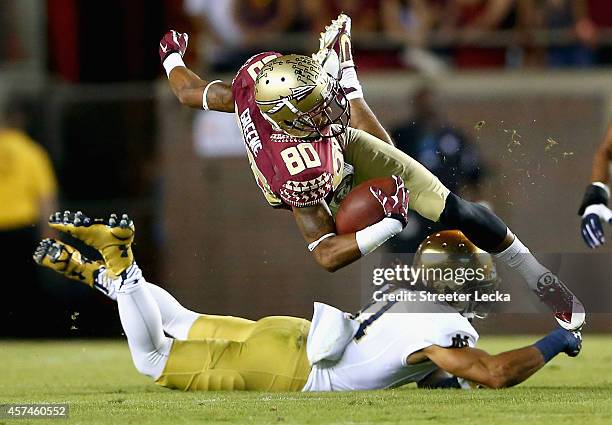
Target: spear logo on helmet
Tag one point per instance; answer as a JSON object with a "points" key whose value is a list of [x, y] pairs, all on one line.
{"points": [[297, 93]]}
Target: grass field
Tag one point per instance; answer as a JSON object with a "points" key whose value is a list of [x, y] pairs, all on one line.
{"points": [[98, 381]]}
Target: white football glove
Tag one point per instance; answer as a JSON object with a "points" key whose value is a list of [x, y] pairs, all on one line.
{"points": [[593, 210], [592, 228]]}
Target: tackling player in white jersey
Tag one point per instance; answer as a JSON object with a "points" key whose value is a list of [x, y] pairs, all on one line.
{"points": [[387, 345]]}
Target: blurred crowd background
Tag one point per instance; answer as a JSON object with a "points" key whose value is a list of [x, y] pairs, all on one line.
{"points": [[505, 100], [421, 35]]}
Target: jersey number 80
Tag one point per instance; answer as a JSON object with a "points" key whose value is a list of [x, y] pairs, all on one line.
{"points": [[300, 157]]}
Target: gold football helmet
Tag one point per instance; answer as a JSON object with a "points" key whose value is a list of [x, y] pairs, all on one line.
{"points": [[298, 97], [445, 258]]}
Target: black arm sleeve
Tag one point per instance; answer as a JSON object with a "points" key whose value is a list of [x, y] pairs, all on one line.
{"points": [[593, 195]]}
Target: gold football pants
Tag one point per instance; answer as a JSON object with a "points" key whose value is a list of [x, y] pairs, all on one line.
{"points": [[374, 158], [230, 353]]}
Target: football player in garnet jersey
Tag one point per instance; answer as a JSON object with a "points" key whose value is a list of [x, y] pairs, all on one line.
{"points": [[184, 350], [294, 113]]}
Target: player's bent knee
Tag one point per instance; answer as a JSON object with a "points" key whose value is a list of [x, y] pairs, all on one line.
{"points": [[150, 364], [145, 367], [429, 206], [429, 201]]}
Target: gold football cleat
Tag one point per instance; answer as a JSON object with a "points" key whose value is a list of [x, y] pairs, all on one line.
{"points": [[67, 261], [112, 238]]}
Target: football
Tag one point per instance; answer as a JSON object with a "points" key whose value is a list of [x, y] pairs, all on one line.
{"points": [[360, 208]]}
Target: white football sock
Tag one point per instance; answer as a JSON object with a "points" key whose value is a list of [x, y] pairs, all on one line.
{"points": [[517, 256], [176, 319], [350, 83], [142, 324]]}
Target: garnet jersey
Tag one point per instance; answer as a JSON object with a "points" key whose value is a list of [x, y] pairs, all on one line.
{"points": [[289, 171]]}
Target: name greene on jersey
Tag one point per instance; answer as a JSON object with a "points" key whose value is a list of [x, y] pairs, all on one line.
{"points": [[290, 172]]}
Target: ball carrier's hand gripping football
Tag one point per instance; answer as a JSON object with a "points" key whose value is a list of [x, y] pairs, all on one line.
{"points": [[395, 209], [395, 206]]}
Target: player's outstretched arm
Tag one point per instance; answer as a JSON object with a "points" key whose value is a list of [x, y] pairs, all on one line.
{"points": [[333, 251], [500, 371], [505, 369], [594, 208], [188, 88]]}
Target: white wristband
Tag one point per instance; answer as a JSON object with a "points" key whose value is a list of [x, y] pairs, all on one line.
{"points": [[603, 186], [172, 61], [602, 211], [377, 234], [205, 94], [315, 244]]}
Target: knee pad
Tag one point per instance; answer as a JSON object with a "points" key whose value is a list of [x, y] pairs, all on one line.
{"points": [[219, 380]]}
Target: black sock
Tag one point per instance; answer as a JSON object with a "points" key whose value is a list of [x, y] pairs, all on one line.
{"points": [[477, 223]]}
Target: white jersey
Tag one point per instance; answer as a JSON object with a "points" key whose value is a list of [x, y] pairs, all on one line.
{"points": [[377, 356]]}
